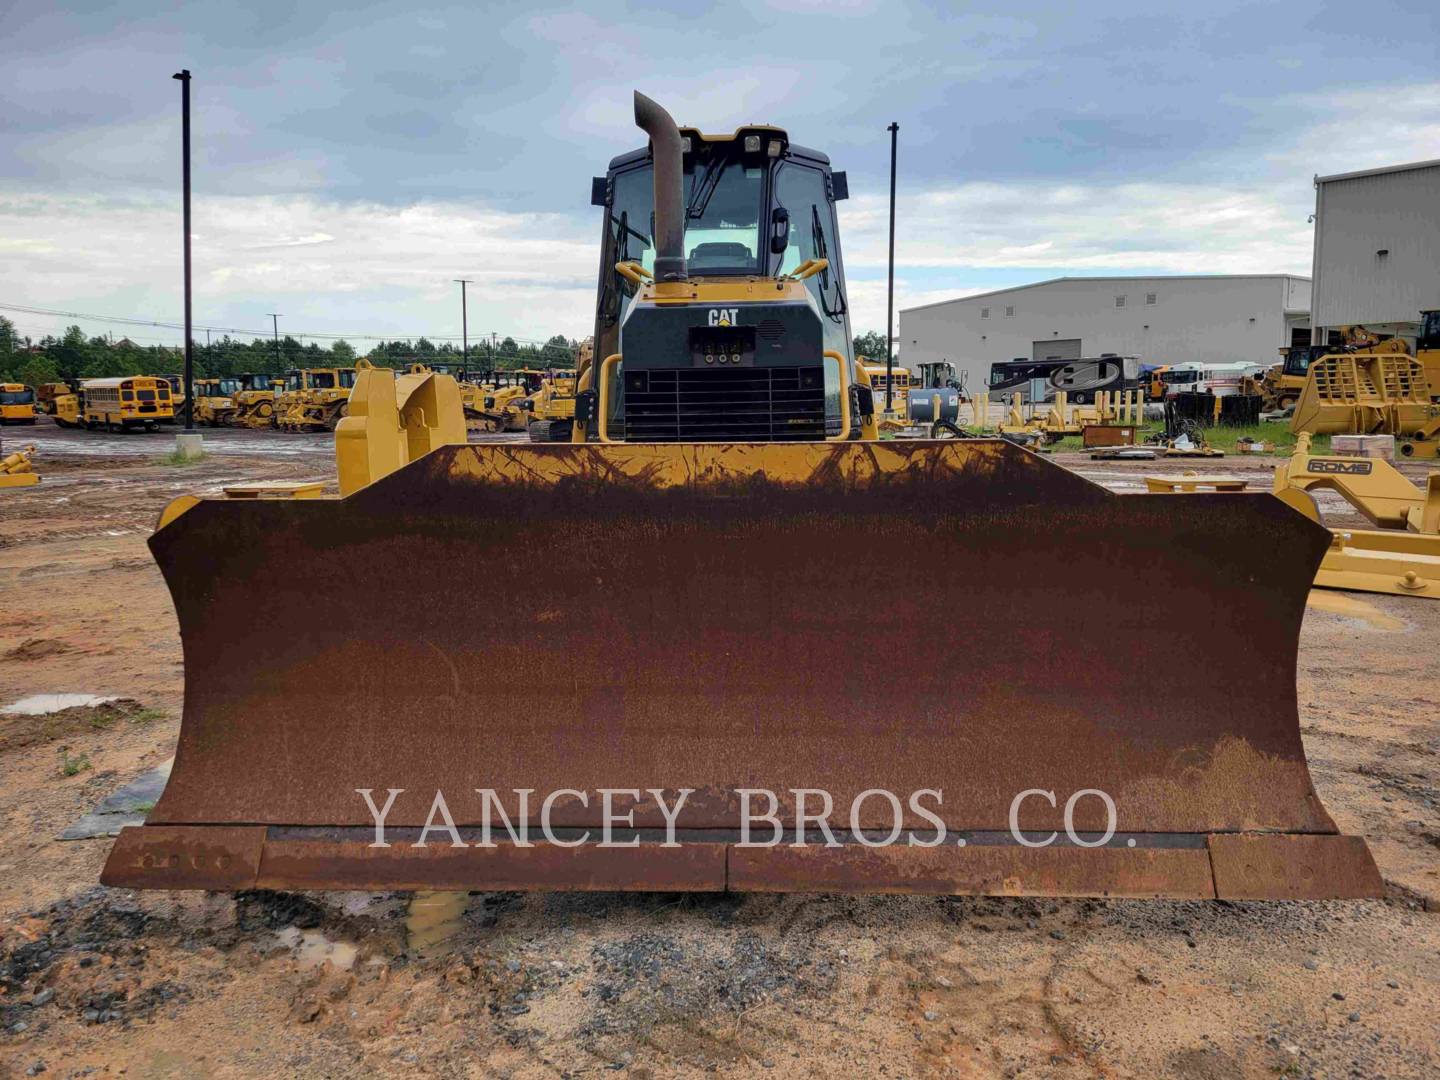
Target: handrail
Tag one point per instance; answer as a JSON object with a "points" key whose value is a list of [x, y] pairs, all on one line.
{"points": [[843, 365], [602, 420], [809, 268], [633, 272]]}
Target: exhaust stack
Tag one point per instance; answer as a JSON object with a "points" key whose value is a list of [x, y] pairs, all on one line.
{"points": [[669, 188]]}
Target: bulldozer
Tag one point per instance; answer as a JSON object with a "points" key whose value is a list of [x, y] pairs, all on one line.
{"points": [[254, 400], [685, 584], [551, 409], [215, 401], [314, 399]]}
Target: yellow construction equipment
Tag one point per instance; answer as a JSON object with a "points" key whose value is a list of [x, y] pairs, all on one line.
{"points": [[18, 469], [1402, 556], [551, 409], [1383, 391], [1122, 410], [683, 589], [394, 420], [314, 399], [46, 393], [17, 404], [215, 401], [254, 400]]}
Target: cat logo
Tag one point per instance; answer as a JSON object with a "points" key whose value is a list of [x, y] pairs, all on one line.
{"points": [[1340, 468], [724, 316]]}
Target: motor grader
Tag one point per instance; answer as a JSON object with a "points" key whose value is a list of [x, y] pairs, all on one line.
{"points": [[684, 584]]}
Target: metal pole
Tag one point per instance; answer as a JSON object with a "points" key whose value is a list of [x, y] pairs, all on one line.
{"points": [[894, 130], [275, 326], [184, 77], [464, 327]]}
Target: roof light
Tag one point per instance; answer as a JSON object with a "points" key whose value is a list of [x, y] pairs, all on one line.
{"points": [[774, 147], [685, 145], [752, 144]]}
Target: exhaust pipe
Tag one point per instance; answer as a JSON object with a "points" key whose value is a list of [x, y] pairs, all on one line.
{"points": [[669, 188]]}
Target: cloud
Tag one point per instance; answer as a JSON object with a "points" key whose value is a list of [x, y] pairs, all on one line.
{"points": [[331, 266]]}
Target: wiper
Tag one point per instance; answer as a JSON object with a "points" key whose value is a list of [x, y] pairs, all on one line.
{"points": [[705, 188], [822, 252]]}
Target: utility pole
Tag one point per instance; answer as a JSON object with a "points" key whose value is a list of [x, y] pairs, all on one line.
{"points": [[464, 327], [188, 444], [275, 326], [894, 130]]}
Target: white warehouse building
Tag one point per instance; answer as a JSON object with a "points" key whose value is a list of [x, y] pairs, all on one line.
{"points": [[1377, 249], [1162, 320]]}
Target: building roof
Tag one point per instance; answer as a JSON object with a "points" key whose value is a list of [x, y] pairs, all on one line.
{"points": [[1118, 277], [1377, 172]]}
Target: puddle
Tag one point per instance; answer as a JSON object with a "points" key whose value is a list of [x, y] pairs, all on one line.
{"points": [[128, 806], [43, 704], [433, 918], [1339, 603], [312, 948]]}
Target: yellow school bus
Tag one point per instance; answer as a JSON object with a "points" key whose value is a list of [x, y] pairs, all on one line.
{"points": [[17, 403], [117, 404]]}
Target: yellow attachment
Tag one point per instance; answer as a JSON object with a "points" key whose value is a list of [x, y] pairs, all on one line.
{"points": [[1371, 393], [1403, 560], [276, 489], [1372, 485], [633, 272], [1194, 482], [394, 421], [18, 470], [809, 268]]}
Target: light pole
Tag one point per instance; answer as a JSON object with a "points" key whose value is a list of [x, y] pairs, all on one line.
{"points": [[189, 444], [275, 328], [464, 327], [894, 130]]}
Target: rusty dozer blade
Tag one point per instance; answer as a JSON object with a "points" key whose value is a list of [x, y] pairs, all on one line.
{"points": [[961, 624]]}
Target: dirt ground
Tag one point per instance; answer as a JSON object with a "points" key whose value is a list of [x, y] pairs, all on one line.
{"points": [[99, 982]]}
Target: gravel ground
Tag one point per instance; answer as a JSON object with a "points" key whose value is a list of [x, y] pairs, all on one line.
{"points": [[99, 982]]}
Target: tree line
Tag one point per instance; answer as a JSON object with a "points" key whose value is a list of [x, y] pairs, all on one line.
{"points": [[71, 356]]}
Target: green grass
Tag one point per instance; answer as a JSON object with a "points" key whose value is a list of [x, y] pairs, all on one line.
{"points": [[1220, 438], [145, 715], [73, 766], [175, 457]]}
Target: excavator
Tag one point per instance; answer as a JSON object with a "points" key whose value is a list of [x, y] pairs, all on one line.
{"points": [[688, 585]]}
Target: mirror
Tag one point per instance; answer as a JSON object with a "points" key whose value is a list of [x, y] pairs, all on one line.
{"points": [[779, 230]]}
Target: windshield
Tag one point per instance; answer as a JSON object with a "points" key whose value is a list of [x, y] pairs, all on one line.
{"points": [[722, 223], [723, 201], [229, 386], [1430, 329], [17, 397], [1176, 377], [347, 378]]}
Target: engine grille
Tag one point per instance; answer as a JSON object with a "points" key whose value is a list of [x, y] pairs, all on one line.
{"points": [[745, 404]]}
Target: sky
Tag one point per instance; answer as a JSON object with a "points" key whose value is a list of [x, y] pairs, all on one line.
{"points": [[350, 161]]}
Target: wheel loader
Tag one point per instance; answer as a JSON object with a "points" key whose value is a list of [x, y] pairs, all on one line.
{"points": [[688, 586]]}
